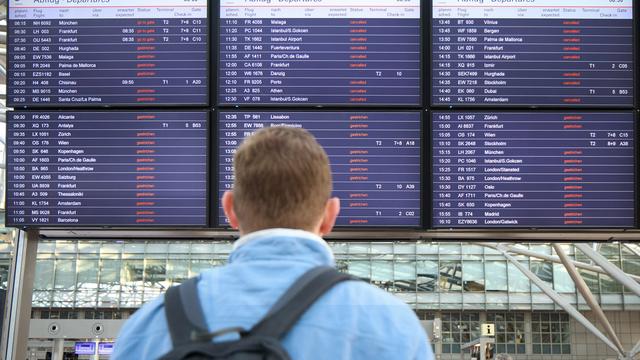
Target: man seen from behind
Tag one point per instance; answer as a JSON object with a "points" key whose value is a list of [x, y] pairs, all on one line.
{"points": [[281, 205]]}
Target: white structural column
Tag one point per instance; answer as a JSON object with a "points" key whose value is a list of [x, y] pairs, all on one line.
{"points": [[581, 285], [19, 296], [614, 271], [558, 299], [58, 349]]}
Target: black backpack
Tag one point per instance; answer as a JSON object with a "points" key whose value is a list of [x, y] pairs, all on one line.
{"points": [[192, 340]]}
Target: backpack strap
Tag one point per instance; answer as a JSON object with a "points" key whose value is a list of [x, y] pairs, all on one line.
{"points": [[298, 298], [184, 313]]}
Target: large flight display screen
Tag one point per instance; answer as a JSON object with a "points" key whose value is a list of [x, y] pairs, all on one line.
{"points": [[112, 168], [543, 169], [375, 160], [321, 52], [532, 53], [105, 53]]}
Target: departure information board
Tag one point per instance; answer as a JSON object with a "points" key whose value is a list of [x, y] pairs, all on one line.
{"points": [[544, 169], [107, 52], [532, 52], [107, 168], [321, 52], [375, 160]]}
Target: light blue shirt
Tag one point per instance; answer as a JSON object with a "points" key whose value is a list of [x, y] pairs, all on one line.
{"points": [[353, 320]]}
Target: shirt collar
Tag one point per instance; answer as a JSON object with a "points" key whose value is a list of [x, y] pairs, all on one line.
{"points": [[294, 233]]}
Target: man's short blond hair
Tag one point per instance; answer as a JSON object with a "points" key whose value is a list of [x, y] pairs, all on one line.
{"points": [[282, 179]]}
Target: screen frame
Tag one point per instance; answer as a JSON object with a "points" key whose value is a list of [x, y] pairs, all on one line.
{"points": [[636, 51], [635, 101], [207, 215], [528, 229], [302, 106], [422, 219], [83, 106], [426, 109]]}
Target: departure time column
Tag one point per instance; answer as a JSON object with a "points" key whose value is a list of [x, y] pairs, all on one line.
{"points": [[456, 155]]}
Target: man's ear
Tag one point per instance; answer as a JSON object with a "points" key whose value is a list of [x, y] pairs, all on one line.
{"points": [[331, 211], [227, 206]]}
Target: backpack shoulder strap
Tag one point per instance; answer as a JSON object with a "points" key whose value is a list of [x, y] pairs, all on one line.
{"points": [[297, 299], [184, 312]]}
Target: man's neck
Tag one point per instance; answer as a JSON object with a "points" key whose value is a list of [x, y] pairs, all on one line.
{"points": [[244, 239]]}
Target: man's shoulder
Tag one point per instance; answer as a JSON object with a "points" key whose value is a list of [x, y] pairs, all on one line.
{"points": [[373, 323], [145, 332], [153, 311], [358, 302], [370, 294]]}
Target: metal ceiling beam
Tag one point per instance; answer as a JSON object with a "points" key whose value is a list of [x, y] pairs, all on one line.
{"points": [[582, 287], [634, 351], [551, 258], [561, 301], [634, 251], [614, 271]]}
